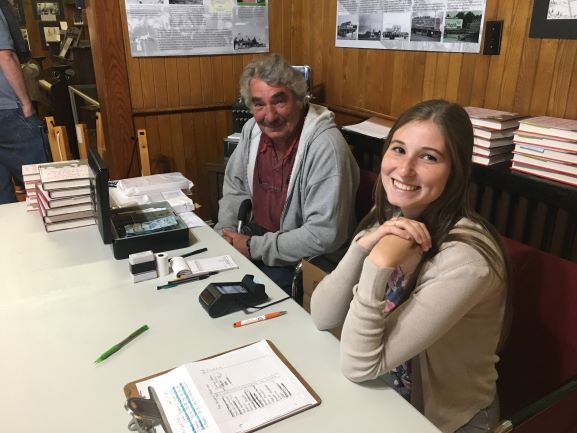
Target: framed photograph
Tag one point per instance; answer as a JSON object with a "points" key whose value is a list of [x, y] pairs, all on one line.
{"points": [[48, 10], [18, 11], [25, 37], [49, 34], [78, 16], [553, 20]]}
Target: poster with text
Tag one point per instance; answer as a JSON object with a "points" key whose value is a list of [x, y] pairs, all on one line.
{"points": [[418, 25], [197, 27]]}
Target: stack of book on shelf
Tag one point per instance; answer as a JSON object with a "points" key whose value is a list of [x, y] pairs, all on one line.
{"points": [[493, 134], [547, 147], [63, 195], [31, 176]]}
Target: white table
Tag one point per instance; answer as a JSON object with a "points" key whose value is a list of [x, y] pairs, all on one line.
{"points": [[64, 300]]}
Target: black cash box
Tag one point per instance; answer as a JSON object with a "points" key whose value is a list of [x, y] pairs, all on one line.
{"points": [[152, 226]]}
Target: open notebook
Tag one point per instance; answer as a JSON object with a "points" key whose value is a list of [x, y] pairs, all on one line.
{"points": [[237, 391]]}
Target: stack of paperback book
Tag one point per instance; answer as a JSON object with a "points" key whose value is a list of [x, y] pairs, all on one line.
{"points": [[31, 176], [493, 134], [547, 147], [63, 195]]}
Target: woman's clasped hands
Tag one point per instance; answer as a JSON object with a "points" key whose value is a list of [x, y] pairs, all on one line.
{"points": [[397, 242]]}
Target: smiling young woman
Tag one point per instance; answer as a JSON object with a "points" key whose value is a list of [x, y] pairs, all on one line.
{"points": [[422, 291]]}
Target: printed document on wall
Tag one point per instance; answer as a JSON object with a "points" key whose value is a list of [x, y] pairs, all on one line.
{"points": [[197, 27], [417, 25]]}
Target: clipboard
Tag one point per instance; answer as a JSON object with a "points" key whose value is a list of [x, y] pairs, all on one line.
{"points": [[152, 415]]}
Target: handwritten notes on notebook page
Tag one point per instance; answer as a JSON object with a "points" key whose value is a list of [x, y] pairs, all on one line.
{"points": [[238, 391]]}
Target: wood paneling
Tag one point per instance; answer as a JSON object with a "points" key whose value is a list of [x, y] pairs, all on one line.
{"points": [[183, 101], [112, 80], [530, 75]]}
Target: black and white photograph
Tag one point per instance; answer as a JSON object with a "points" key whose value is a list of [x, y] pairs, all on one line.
{"points": [[48, 11], [462, 26], [78, 17], [554, 19], [413, 25], [426, 26], [248, 38], [396, 26], [370, 27], [196, 27], [49, 33], [251, 2], [347, 27], [25, 37], [18, 11]]}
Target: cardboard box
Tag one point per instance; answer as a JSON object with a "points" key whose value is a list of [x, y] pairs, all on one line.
{"points": [[314, 270], [312, 275]]}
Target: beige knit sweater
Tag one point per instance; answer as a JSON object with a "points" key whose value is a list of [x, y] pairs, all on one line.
{"points": [[450, 326]]}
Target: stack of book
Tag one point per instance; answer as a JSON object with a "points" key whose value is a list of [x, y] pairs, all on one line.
{"points": [[493, 134], [31, 176], [63, 195], [547, 147]]}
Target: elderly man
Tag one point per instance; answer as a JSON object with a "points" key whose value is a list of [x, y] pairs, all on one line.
{"points": [[295, 166]]}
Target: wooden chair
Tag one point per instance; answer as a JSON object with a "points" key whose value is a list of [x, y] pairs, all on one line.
{"points": [[143, 152], [82, 140], [58, 140], [100, 143]]}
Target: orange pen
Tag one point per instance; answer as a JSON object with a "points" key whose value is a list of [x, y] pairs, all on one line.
{"points": [[258, 318]]}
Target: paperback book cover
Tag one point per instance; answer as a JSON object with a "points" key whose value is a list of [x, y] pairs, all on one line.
{"points": [[536, 161], [65, 174], [541, 141], [70, 224], [493, 119], [551, 127], [546, 154], [69, 192], [52, 211], [492, 143], [63, 201], [491, 151], [544, 173], [491, 160], [493, 134]]}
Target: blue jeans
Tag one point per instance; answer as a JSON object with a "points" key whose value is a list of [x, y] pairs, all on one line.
{"points": [[281, 275], [21, 143]]}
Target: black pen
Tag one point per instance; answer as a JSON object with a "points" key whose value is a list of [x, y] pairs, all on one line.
{"points": [[175, 283], [192, 253]]}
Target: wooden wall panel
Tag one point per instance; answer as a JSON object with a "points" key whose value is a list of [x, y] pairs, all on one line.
{"points": [[530, 75], [184, 102]]}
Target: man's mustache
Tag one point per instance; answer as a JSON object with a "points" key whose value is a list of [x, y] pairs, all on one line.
{"points": [[274, 124]]}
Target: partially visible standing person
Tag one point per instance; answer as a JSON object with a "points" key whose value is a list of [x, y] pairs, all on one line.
{"points": [[21, 132]]}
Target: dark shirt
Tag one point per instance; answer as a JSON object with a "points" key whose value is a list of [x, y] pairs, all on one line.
{"points": [[270, 181]]}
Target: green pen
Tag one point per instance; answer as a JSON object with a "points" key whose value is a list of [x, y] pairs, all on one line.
{"points": [[120, 345]]}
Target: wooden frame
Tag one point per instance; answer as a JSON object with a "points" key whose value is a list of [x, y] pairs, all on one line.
{"points": [[48, 11], [18, 11], [42, 25], [541, 27]]}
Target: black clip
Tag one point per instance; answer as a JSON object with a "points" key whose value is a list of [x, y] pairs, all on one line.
{"points": [[146, 414]]}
